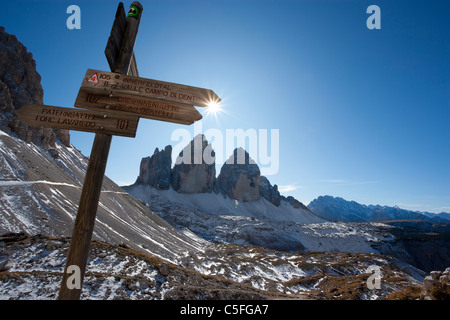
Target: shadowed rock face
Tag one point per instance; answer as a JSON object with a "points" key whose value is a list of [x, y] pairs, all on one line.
{"points": [[195, 172], [195, 168], [239, 177], [156, 170], [269, 192], [20, 84]]}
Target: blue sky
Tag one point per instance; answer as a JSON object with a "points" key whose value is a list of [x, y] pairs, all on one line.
{"points": [[362, 114]]}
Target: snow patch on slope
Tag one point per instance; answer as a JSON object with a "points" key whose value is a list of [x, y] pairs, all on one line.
{"points": [[40, 192], [219, 205], [219, 219]]}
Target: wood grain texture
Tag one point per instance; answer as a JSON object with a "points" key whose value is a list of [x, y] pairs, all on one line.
{"points": [[90, 195], [87, 211], [114, 83], [148, 108], [100, 121]]}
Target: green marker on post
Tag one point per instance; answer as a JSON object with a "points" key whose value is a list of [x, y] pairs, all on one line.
{"points": [[133, 12]]}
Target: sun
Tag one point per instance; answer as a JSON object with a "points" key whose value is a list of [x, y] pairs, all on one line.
{"points": [[214, 108]]}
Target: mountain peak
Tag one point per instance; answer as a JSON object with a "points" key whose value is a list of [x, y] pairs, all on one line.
{"points": [[338, 209], [195, 168], [155, 170], [195, 172], [20, 84], [240, 176]]}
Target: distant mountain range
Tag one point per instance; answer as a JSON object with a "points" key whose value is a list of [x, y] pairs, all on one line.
{"points": [[338, 209]]}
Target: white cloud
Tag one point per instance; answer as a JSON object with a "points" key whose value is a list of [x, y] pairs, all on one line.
{"points": [[333, 181], [439, 209], [408, 205], [359, 182], [288, 188], [348, 182]]}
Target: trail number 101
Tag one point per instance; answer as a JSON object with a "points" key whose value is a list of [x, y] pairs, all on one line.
{"points": [[122, 124]]}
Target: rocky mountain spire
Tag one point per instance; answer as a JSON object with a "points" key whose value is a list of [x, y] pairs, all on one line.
{"points": [[195, 172], [20, 84], [195, 168], [239, 177], [269, 192], [156, 170]]}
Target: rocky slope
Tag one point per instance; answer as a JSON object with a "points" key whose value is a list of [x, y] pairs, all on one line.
{"points": [[34, 265], [217, 218], [242, 207], [421, 239], [39, 194], [114, 272]]}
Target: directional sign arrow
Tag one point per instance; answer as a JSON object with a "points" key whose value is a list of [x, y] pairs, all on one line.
{"points": [[161, 110], [96, 81], [111, 122]]}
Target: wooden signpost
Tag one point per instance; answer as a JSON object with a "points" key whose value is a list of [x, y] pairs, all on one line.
{"points": [[90, 195], [114, 123], [114, 45], [102, 82], [118, 99], [143, 107]]}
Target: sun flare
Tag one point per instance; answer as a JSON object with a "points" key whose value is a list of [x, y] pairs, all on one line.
{"points": [[214, 108]]}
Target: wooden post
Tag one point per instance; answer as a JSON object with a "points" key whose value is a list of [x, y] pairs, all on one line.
{"points": [[75, 268]]}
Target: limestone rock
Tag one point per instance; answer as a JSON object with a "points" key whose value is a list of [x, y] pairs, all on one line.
{"points": [[164, 269], [63, 136], [239, 177], [428, 283], [156, 170], [5, 265], [294, 202], [195, 169], [20, 84], [437, 286], [435, 275], [269, 192]]}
